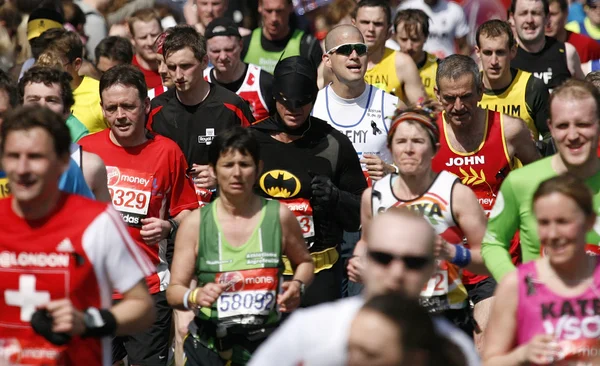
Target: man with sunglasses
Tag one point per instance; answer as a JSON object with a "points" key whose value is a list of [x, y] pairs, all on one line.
{"points": [[392, 71], [400, 260]]}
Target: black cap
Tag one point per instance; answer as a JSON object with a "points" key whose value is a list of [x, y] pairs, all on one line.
{"points": [[295, 83], [221, 27]]}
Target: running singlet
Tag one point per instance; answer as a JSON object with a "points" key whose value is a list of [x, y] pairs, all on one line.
{"points": [[81, 252], [574, 321], [384, 75], [267, 60], [549, 65], [482, 170], [250, 90], [511, 101], [145, 181], [152, 77], [444, 291], [513, 211], [364, 120], [427, 71]]}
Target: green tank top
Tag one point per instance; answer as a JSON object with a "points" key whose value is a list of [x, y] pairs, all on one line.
{"points": [[251, 271], [266, 59]]}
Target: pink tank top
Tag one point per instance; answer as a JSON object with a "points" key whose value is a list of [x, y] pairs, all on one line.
{"points": [[574, 321]]}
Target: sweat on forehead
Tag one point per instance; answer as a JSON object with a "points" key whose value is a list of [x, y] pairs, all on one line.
{"points": [[339, 35]]}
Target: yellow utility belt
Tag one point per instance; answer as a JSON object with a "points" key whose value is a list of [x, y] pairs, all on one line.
{"points": [[322, 260]]}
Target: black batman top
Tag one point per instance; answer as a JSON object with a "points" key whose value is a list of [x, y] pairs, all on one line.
{"points": [[286, 176]]}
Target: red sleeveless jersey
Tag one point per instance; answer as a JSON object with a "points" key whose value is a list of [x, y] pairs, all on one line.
{"points": [[483, 170]]}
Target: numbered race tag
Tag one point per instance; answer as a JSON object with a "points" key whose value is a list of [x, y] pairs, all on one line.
{"points": [[131, 191], [304, 214], [580, 352], [437, 284], [250, 295], [204, 196]]}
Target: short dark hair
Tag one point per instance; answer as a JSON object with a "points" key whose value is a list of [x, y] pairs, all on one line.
{"points": [[545, 5], [594, 78], [115, 48], [495, 28], [127, 75], [413, 19], [234, 139], [49, 76], [25, 118], [570, 186], [564, 6], [183, 36], [455, 66], [374, 4], [10, 87]]}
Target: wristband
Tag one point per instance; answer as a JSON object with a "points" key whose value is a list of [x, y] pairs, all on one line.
{"points": [[174, 227], [462, 257], [99, 323], [193, 299], [185, 299]]}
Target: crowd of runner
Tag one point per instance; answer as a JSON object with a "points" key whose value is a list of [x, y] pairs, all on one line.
{"points": [[278, 182]]}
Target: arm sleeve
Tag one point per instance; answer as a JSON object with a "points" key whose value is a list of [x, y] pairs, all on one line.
{"points": [[114, 254], [351, 184], [183, 193], [502, 225], [72, 181], [537, 100]]}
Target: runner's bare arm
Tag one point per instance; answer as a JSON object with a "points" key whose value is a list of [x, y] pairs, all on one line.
{"points": [[136, 311], [574, 62], [294, 247], [94, 172], [519, 141], [355, 263], [472, 221], [184, 259], [407, 72], [500, 334], [155, 229]]}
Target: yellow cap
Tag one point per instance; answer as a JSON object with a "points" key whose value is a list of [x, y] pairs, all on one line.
{"points": [[38, 26]]}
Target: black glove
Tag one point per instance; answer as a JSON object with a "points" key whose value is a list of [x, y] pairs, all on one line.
{"points": [[325, 194], [41, 322]]}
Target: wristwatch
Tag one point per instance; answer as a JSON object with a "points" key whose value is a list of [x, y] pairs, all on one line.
{"points": [[174, 227], [92, 318], [302, 287]]}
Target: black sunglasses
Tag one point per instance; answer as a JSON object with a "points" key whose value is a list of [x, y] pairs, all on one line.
{"points": [[347, 48], [410, 261]]}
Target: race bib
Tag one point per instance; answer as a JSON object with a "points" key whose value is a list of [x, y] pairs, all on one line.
{"points": [[304, 214], [204, 196], [35, 351], [131, 191], [250, 295], [437, 284], [581, 352]]}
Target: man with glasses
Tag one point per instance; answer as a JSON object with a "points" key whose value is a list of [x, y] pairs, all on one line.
{"points": [[393, 71], [400, 259]]}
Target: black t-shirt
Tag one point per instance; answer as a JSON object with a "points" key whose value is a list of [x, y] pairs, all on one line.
{"points": [[537, 100], [194, 127], [289, 167], [266, 85], [549, 65], [310, 47]]}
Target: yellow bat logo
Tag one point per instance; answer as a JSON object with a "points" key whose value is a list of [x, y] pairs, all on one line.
{"points": [[280, 184]]}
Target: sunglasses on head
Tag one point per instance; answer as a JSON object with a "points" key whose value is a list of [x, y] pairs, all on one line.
{"points": [[347, 48], [410, 261]]}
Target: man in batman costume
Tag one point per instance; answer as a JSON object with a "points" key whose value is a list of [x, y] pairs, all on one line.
{"points": [[312, 168]]}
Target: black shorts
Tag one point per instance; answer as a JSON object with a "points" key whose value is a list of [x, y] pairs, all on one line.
{"points": [[150, 348], [482, 290], [462, 318]]}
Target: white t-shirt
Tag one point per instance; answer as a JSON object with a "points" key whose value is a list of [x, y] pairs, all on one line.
{"points": [[365, 120], [318, 336], [448, 22]]}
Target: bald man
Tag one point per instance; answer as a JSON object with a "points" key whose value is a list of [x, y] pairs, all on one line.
{"points": [[400, 259]]}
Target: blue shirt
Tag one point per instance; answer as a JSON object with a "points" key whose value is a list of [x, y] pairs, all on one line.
{"points": [[576, 12], [72, 181]]}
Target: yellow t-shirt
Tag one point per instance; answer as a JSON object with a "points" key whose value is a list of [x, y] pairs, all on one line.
{"points": [[87, 107], [384, 75], [512, 101], [4, 189], [427, 73]]}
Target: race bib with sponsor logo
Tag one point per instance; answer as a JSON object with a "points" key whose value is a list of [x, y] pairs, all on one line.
{"points": [[437, 284], [36, 351], [204, 196], [131, 191], [581, 352], [304, 214], [250, 295]]}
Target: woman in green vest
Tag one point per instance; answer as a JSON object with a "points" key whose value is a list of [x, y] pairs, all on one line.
{"points": [[233, 247]]}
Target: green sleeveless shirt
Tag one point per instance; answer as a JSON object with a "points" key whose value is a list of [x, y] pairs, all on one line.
{"points": [[266, 59], [252, 271]]}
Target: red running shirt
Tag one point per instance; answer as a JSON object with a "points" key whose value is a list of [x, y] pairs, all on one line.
{"points": [[146, 181], [82, 252], [153, 79]]}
